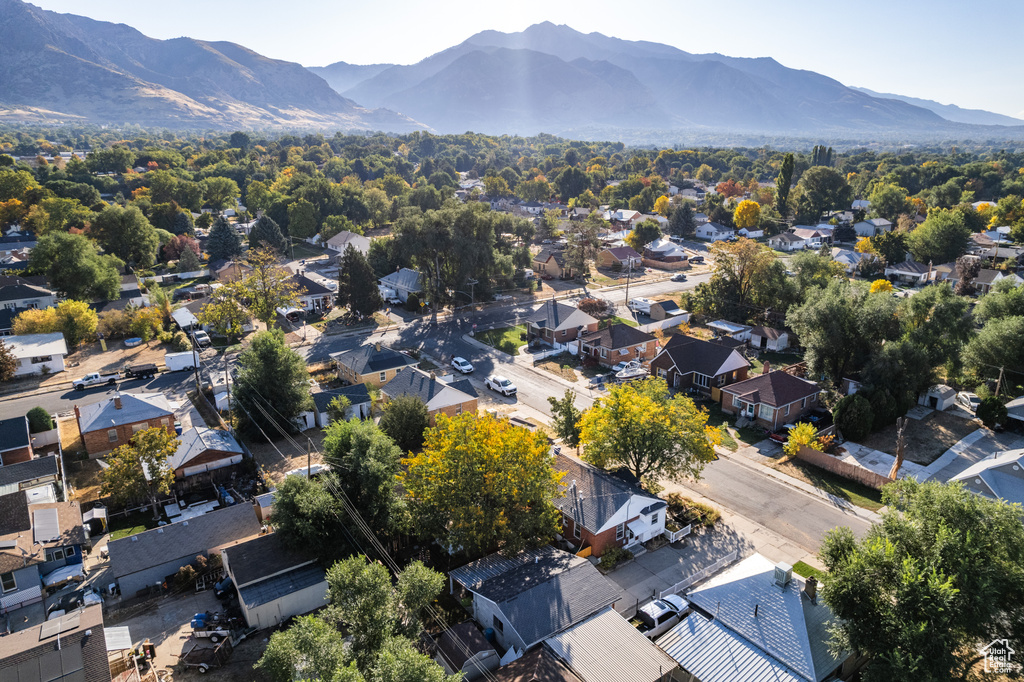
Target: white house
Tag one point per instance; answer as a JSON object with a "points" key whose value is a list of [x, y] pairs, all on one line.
{"points": [[740, 332], [872, 227], [767, 338], [848, 258], [339, 242], [861, 205], [713, 232], [750, 233], [909, 271], [787, 241], [37, 353]]}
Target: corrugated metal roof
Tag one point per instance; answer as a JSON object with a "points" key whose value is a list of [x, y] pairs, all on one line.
{"points": [[476, 572], [712, 653], [282, 585], [606, 648], [45, 526], [118, 638]]}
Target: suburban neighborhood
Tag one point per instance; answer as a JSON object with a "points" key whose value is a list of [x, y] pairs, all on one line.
{"points": [[601, 414]]}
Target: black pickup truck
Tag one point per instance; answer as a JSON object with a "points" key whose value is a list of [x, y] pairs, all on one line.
{"points": [[144, 371]]}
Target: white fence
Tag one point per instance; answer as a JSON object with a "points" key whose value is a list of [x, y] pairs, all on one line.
{"points": [[677, 535], [45, 438], [701, 574]]}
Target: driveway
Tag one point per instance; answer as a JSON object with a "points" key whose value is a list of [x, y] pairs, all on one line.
{"points": [[974, 448]]}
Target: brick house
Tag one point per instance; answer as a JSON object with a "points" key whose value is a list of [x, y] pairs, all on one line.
{"points": [[15, 441], [617, 343], [601, 510], [112, 422], [772, 399], [441, 397], [557, 323], [225, 271], [374, 364], [618, 257], [685, 362], [551, 263]]}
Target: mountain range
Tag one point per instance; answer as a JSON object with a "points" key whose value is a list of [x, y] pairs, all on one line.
{"points": [[63, 67], [547, 78]]}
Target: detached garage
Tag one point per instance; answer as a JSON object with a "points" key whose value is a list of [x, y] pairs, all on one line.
{"points": [[273, 581], [204, 449]]}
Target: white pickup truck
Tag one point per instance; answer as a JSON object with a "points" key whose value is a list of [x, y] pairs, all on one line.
{"points": [[660, 615], [96, 379]]}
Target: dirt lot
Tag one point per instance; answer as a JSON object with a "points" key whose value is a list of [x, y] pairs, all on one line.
{"points": [[84, 478], [277, 463], [927, 438]]}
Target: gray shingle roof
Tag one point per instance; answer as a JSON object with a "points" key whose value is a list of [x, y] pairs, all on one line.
{"points": [[14, 433], [666, 306], [696, 355], [405, 279], [13, 474], [617, 336], [603, 494], [538, 665], [557, 316], [184, 538], [196, 441], [262, 557], [266, 591], [366, 359], [21, 290], [356, 394], [766, 332], [135, 407], [310, 288], [414, 382], [910, 266], [454, 643], [775, 389]]}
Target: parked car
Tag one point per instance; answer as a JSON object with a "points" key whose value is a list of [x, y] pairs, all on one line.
{"points": [[697, 259], [462, 364], [968, 400], [96, 379], [679, 277], [660, 615], [782, 435], [201, 338], [500, 384]]}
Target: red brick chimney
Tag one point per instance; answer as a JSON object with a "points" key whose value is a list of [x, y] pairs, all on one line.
{"points": [[767, 367], [117, 401]]}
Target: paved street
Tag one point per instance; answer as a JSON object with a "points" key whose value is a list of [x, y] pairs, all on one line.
{"points": [[65, 399]]}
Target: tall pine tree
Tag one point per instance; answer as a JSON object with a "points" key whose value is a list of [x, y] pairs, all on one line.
{"points": [[682, 223], [223, 243], [266, 232], [783, 183], [357, 286]]}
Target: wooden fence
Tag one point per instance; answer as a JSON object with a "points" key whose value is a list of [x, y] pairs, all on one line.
{"points": [[841, 468]]}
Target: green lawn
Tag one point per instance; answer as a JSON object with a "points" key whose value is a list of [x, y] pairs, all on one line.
{"points": [[808, 571], [834, 484], [505, 339], [303, 250], [731, 436], [608, 321], [169, 287], [777, 360], [132, 524]]}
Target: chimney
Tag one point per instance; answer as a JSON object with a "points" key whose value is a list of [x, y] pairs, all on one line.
{"points": [[811, 589], [433, 377], [376, 346], [117, 400], [767, 367]]}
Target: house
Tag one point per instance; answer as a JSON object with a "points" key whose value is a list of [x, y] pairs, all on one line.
{"points": [[772, 398], [71, 648], [750, 232], [938, 397], [986, 278], [714, 232], [618, 257], [462, 649], [699, 218], [998, 476], [601, 510], [372, 364], [37, 353], [538, 665], [359, 403], [848, 258], [536, 594], [274, 581], [202, 449], [685, 362], [40, 544], [225, 271], [666, 251], [606, 647], [787, 241], [616, 343], [558, 324], [757, 621], [185, 316], [313, 296], [908, 272], [550, 263], [41, 472], [142, 562], [872, 227], [18, 295], [440, 397], [663, 310], [624, 219], [112, 422], [813, 236], [403, 282], [861, 205], [767, 338], [15, 242], [740, 332], [1014, 410], [15, 441], [341, 241]]}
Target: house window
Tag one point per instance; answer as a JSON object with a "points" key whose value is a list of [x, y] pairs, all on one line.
{"points": [[604, 352], [655, 517], [55, 554], [138, 427], [112, 435], [563, 332], [498, 625], [383, 377], [700, 380], [620, 531], [721, 379], [7, 582], [165, 422], [642, 348], [767, 412], [41, 358], [576, 533], [662, 373], [458, 409]]}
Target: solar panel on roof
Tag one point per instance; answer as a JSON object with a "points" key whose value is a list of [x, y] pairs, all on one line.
{"points": [[49, 629], [8, 544], [70, 621], [45, 526]]}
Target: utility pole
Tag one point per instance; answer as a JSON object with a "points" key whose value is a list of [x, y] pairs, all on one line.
{"points": [[195, 361], [999, 382], [629, 271], [901, 444], [227, 381], [309, 449]]}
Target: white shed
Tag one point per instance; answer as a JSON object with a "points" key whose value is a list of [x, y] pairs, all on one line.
{"points": [[938, 397], [767, 338]]}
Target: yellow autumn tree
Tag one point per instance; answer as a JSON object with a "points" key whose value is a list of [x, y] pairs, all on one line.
{"points": [[483, 484], [661, 205], [139, 470], [640, 427], [864, 245], [881, 286], [802, 434], [747, 214]]}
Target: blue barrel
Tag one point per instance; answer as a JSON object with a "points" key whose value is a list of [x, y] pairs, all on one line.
{"points": [[489, 635]]}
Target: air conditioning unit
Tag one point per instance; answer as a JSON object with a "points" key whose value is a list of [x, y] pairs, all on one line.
{"points": [[783, 574]]}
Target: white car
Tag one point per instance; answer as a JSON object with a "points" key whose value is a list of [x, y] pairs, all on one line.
{"points": [[968, 400], [462, 365], [501, 385]]}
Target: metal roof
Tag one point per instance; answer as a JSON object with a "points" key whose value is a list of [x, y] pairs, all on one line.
{"points": [[35, 345], [404, 279], [606, 648], [266, 591], [196, 441], [45, 526], [118, 639]]}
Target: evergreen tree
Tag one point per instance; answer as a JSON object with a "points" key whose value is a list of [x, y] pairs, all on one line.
{"points": [[783, 183], [224, 242], [357, 283], [266, 232], [183, 223], [189, 261], [682, 223]]}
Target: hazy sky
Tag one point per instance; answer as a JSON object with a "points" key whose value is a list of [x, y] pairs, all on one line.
{"points": [[953, 52]]}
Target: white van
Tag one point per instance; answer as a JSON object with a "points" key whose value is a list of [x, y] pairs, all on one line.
{"points": [[640, 305]]}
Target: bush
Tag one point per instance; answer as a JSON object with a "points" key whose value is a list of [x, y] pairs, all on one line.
{"points": [[412, 304], [179, 342], [613, 557], [185, 577], [688, 511], [595, 307], [991, 411], [39, 420], [854, 417], [802, 434]]}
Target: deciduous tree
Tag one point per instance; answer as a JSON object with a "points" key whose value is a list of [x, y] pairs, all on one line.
{"points": [[8, 363], [1005, 299], [482, 484], [656, 437], [366, 461], [643, 234], [890, 201], [310, 517], [125, 233], [881, 286], [139, 469], [566, 418], [268, 287], [302, 219], [747, 214], [854, 417], [176, 247], [309, 649], [941, 238], [75, 319], [405, 420], [997, 346], [821, 189]]}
